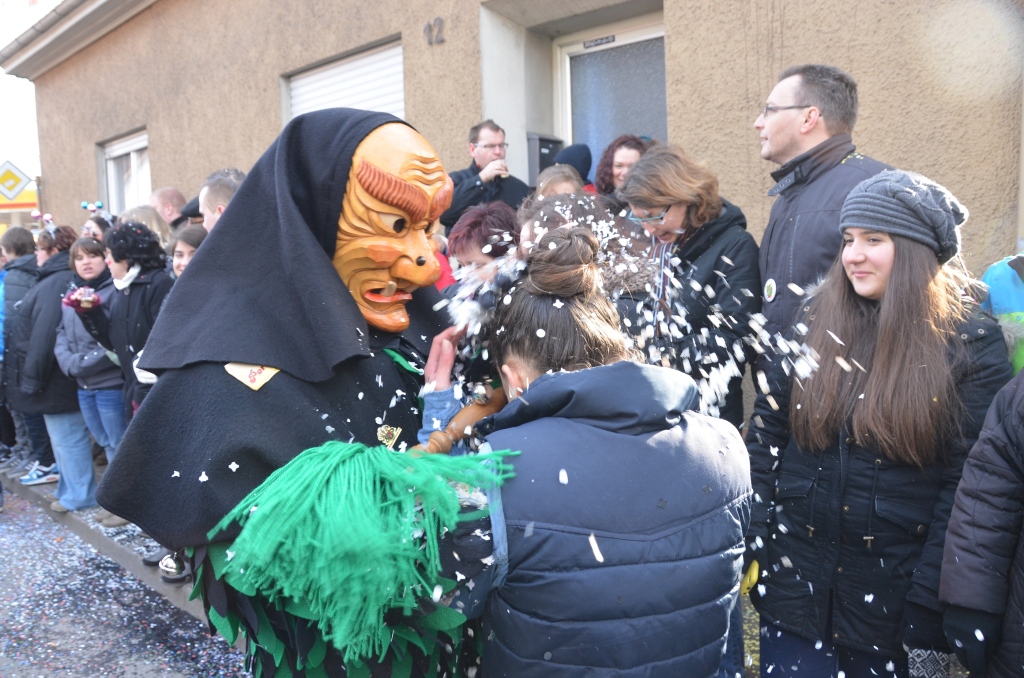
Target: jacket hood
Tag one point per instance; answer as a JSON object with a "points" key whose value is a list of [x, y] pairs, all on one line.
{"points": [[26, 262], [58, 262], [262, 289], [657, 398], [731, 217]]}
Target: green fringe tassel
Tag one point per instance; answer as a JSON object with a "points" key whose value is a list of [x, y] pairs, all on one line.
{"points": [[346, 532]]}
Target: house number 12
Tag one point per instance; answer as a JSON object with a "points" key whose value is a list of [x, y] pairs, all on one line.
{"points": [[434, 30]]}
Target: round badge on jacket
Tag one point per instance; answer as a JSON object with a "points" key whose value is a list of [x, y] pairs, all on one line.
{"points": [[769, 289]]}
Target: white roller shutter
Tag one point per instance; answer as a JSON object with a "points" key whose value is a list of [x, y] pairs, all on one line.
{"points": [[371, 81]]}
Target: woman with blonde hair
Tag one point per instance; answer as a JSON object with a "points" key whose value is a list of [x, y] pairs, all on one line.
{"points": [[856, 459], [558, 179], [151, 219]]}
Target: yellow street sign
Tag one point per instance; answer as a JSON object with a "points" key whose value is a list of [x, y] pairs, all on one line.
{"points": [[12, 180]]}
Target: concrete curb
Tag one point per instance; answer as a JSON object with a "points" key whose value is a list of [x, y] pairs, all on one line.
{"points": [[95, 535]]}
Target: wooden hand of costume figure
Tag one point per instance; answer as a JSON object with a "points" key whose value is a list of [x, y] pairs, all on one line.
{"points": [[438, 372]]}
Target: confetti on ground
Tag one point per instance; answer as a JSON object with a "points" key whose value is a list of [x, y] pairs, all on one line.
{"points": [[68, 611]]}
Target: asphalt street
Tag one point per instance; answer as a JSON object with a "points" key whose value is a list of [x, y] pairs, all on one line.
{"points": [[66, 610]]}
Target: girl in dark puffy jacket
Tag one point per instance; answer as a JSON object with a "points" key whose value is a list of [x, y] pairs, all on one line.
{"points": [[859, 437], [80, 356], [616, 547]]}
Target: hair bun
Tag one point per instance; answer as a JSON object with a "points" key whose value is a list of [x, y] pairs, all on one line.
{"points": [[563, 264]]}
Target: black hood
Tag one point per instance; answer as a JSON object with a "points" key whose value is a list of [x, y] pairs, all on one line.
{"points": [[26, 262], [58, 262], [607, 397], [262, 288]]}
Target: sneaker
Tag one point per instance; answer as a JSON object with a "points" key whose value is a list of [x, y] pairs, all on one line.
{"points": [[41, 475], [58, 507], [21, 468]]}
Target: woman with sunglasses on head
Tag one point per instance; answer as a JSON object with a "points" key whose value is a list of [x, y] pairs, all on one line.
{"points": [[856, 452], [699, 320]]}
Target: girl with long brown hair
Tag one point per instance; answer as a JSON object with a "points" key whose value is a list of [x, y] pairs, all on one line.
{"points": [[855, 463]]}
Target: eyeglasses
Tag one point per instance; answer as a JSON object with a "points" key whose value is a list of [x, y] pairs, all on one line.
{"points": [[648, 220], [771, 109], [491, 147]]}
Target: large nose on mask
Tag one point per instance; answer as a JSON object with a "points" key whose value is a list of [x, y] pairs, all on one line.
{"points": [[418, 264]]}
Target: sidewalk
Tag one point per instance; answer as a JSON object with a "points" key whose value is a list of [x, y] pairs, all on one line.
{"points": [[124, 545]]}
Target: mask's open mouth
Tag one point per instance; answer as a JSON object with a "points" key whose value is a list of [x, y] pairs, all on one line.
{"points": [[389, 294]]}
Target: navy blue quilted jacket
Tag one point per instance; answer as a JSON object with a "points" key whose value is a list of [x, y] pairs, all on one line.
{"points": [[618, 543]]}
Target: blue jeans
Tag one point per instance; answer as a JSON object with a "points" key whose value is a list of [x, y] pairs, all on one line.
{"points": [[41, 449], [76, 488], [103, 411], [791, 656]]}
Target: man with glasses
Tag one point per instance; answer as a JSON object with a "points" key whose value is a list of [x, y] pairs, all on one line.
{"points": [[805, 127], [487, 178]]}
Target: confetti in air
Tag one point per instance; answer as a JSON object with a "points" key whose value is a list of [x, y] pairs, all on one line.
{"points": [[597, 551]]}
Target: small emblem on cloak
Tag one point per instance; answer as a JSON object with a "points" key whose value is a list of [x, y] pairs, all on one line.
{"points": [[253, 376], [388, 435], [769, 289]]}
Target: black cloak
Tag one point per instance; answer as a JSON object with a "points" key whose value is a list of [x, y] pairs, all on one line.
{"points": [[262, 290]]}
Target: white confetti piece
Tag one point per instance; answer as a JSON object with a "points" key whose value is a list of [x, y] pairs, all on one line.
{"points": [[869, 597], [436, 596], [233, 466], [817, 645], [796, 289], [329, 429], [360, 396], [324, 415], [834, 337], [230, 554], [979, 635], [175, 475], [203, 477], [842, 363], [563, 477], [595, 549], [558, 303], [541, 333]]}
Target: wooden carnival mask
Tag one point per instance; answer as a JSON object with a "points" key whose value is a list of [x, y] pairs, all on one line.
{"points": [[397, 190]]}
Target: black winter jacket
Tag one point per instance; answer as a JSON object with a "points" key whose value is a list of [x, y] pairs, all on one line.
{"points": [[470, 191], [132, 314], [78, 353], [618, 542], [802, 239], [35, 384], [983, 564], [714, 288], [22, 274], [846, 536]]}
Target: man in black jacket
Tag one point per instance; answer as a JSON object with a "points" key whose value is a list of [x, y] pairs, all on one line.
{"points": [[805, 127], [487, 178]]}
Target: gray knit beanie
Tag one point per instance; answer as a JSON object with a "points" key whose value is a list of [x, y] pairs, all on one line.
{"points": [[910, 205]]}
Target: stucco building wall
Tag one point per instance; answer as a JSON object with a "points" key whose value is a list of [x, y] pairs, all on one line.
{"points": [[204, 81], [940, 85]]}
